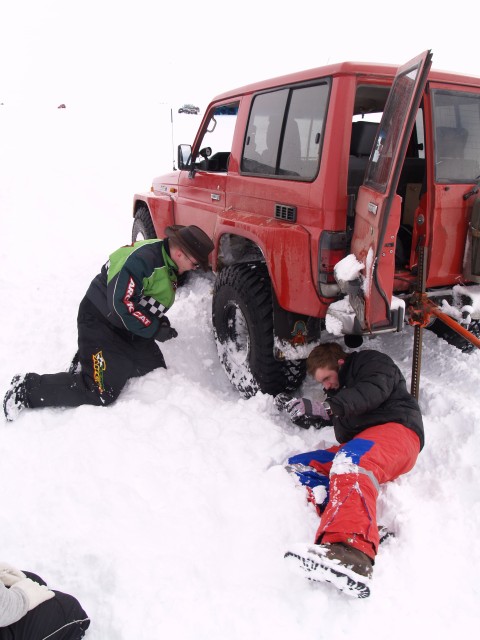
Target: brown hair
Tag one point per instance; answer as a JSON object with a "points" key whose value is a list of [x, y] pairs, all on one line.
{"points": [[325, 356]]}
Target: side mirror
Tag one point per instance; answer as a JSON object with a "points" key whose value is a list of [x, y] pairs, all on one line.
{"points": [[184, 156]]}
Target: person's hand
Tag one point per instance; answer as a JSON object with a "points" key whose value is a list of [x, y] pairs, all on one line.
{"points": [[295, 408], [165, 331], [35, 593], [281, 400], [9, 575], [299, 408]]}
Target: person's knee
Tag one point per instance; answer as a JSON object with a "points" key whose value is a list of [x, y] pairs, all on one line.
{"points": [[34, 577], [75, 619], [109, 395], [61, 617]]}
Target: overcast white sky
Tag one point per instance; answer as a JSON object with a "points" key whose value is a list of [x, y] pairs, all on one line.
{"points": [[190, 51]]}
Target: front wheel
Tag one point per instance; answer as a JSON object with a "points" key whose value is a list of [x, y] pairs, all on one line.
{"points": [[242, 317], [143, 228]]}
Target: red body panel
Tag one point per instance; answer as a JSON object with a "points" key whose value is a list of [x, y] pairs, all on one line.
{"points": [[233, 204]]}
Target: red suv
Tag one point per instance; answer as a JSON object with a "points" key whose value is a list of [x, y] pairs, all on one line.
{"points": [[329, 194]]}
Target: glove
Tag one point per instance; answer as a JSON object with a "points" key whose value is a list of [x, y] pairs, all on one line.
{"points": [[299, 408], [9, 575], [36, 593], [281, 400], [165, 331]]}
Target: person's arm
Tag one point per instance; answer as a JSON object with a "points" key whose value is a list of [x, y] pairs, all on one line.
{"points": [[125, 291], [126, 294], [13, 605]]}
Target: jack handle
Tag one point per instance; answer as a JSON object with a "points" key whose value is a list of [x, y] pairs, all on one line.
{"points": [[421, 310]]}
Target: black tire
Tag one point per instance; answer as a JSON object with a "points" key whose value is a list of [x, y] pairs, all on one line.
{"points": [[445, 332], [242, 317], [143, 228]]}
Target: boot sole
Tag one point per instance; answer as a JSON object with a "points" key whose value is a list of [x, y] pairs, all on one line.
{"points": [[11, 408], [348, 582]]}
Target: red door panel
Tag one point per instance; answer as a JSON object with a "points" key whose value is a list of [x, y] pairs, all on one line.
{"points": [[377, 212]]}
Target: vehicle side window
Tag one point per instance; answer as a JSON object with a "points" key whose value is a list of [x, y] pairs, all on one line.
{"points": [[216, 144], [456, 118], [262, 140], [285, 131]]}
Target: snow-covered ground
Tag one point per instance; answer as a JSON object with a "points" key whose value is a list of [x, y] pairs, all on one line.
{"points": [[168, 513]]}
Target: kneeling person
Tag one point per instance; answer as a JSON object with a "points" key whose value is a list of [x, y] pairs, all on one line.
{"points": [[120, 320]]}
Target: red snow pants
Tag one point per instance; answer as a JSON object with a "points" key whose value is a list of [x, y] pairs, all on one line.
{"points": [[357, 468]]}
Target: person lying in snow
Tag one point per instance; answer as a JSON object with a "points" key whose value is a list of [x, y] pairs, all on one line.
{"points": [[29, 610], [379, 426], [120, 319]]}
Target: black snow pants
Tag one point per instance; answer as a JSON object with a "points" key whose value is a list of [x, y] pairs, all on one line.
{"points": [[108, 357], [60, 618]]}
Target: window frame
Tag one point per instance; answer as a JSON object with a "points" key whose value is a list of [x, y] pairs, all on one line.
{"points": [[285, 122]]}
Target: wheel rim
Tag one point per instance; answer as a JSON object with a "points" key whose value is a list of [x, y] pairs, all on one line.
{"points": [[237, 335]]}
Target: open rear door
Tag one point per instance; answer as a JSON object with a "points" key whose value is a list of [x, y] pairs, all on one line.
{"points": [[377, 212]]}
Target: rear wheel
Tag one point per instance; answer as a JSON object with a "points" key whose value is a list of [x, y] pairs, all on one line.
{"points": [[143, 228], [242, 316]]}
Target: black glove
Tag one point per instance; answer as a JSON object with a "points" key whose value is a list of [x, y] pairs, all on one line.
{"points": [[299, 408], [165, 331], [301, 415]]}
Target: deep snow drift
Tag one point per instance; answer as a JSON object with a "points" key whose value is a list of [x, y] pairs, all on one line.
{"points": [[168, 513]]}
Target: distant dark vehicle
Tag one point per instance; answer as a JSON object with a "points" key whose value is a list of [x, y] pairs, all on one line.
{"points": [[189, 108], [61, 106]]}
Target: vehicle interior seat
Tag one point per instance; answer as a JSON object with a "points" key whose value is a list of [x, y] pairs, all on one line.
{"points": [[361, 143], [450, 161]]}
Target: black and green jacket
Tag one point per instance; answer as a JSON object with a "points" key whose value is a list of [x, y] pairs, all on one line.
{"points": [[136, 286]]}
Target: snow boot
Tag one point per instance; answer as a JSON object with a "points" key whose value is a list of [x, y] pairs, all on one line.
{"points": [[15, 399], [345, 567], [75, 366]]}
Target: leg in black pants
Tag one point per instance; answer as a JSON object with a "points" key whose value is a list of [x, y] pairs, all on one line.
{"points": [[61, 618], [108, 358]]}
